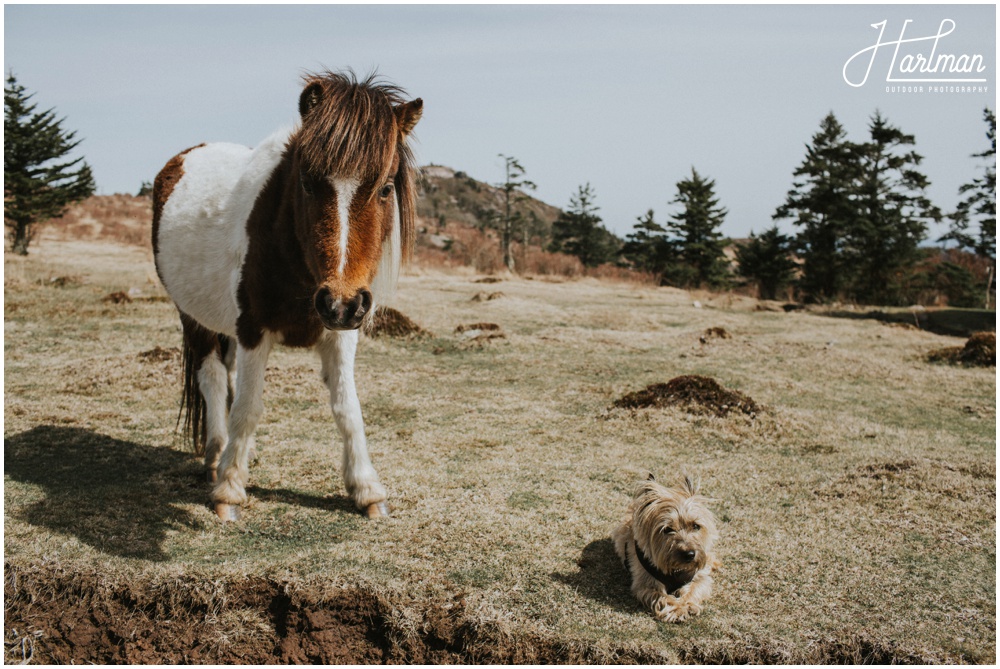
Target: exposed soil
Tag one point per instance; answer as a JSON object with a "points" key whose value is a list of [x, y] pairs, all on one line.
{"points": [[484, 327], [979, 351], [158, 354], [389, 322], [58, 617], [483, 296], [488, 279], [696, 394], [714, 333], [117, 297]]}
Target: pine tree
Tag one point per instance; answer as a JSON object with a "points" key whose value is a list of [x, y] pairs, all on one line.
{"points": [[766, 260], [821, 204], [647, 248], [513, 182], [979, 206], [892, 215], [695, 230], [36, 186], [578, 231]]}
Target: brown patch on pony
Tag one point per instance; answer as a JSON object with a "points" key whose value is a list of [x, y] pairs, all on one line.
{"points": [[163, 186]]}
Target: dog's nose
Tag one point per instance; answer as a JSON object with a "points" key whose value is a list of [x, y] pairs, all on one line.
{"points": [[688, 556]]}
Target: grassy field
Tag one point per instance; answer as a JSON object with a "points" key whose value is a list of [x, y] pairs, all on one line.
{"points": [[857, 513]]}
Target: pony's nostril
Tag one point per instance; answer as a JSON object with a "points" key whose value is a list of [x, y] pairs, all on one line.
{"points": [[324, 302], [366, 301]]}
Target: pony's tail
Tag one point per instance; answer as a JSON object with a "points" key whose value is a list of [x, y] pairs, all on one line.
{"points": [[192, 408]]}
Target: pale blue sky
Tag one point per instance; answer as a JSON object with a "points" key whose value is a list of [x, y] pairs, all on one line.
{"points": [[628, 98]]}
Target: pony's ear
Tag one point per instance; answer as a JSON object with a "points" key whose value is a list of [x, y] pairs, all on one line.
{"points": [[408, 114], [311, 96]]}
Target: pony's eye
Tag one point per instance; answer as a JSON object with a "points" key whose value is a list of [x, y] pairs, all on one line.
{"points": [[386, 191], [308, 187]]}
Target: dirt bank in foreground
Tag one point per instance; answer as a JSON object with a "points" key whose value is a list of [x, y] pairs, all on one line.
{"points": [[58, 617]]}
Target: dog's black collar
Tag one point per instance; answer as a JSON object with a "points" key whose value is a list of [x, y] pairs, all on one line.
{"points": [[671, 582]]}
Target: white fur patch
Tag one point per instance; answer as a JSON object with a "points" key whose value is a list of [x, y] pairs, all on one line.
{"points": [[202, 237], [345, 190]]}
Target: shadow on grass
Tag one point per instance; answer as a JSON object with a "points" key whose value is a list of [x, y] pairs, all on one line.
{"points": [[602, 577], [341, 503], [120, 497], [951, 322]]}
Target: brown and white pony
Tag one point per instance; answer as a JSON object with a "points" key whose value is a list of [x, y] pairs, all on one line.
{"points": [[293, 242]]}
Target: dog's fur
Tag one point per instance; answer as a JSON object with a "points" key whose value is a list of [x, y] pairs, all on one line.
{"points": [[676, 533]]}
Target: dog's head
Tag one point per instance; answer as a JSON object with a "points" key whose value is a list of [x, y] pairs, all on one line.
{"points": [[673, 527]]}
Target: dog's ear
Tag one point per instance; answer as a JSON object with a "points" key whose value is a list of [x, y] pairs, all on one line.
{"points": [[690, 486]]}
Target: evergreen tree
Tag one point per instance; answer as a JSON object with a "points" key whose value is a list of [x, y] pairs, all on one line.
{"points": [[578, 231], [696, 237], [37, 186], [979, 206], [766, 260], [892, 214], [513, 182], [647, 248], [821, 204]]}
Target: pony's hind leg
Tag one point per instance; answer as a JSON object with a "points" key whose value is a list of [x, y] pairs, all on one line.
{"points": [[337, 351], [206, 389], [230, 493]]}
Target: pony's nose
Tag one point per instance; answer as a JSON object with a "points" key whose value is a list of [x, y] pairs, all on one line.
{"points": [[337, 314]]}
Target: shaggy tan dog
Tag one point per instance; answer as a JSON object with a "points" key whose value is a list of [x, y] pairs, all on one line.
{"points": [[666, 543]]}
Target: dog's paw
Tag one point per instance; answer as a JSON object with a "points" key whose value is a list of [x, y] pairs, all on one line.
{"points": [[672, 610]]}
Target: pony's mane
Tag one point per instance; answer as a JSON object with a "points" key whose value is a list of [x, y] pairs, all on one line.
{"points": [[353, 131]]}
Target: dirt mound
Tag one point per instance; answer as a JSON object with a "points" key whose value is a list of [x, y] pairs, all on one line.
{"points": [[118, 297], [695, 394], [157, 354], [483, 296], [714, 333], [488, 279], [483, 327], [389, 322], [979, 351]]}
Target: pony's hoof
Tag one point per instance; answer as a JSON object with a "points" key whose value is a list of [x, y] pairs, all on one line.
{"points": [[229, 513], [377, 510]]}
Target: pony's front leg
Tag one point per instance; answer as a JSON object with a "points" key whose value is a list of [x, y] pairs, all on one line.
{"points": [[230, 492], [337, 350]]}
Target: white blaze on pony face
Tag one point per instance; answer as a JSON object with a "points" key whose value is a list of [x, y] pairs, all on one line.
{"points": [[344, 190]]}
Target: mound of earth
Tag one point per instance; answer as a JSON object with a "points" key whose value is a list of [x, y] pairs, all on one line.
{"points": [[488, 279], [158, 354], [483, 296], [979, 351], [118, 297], [389, 322], [695, 394]]}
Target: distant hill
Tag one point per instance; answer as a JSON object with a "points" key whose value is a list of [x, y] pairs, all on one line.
{"points": [[449, 196]]}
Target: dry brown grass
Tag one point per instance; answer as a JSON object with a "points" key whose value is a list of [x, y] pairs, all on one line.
{"points": [[857, 514]]}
